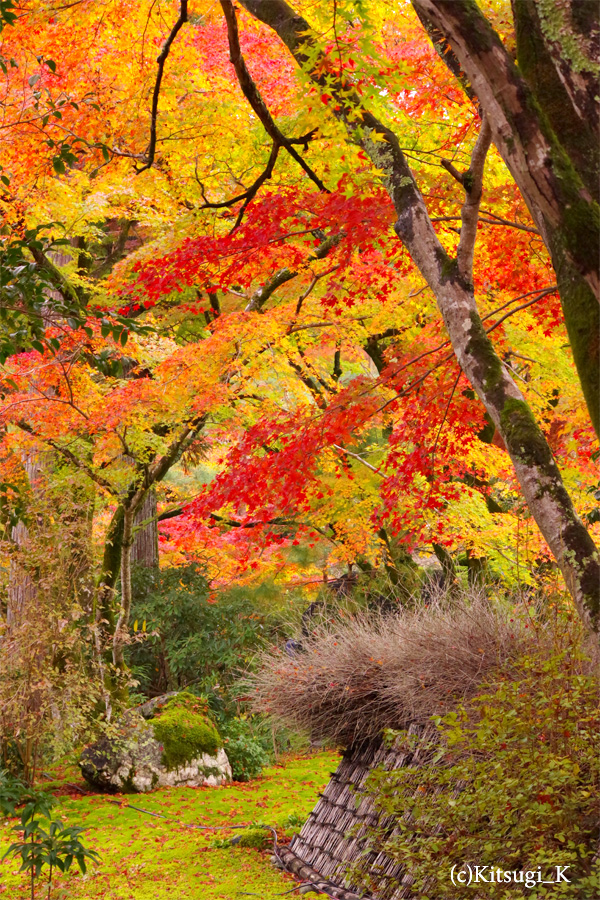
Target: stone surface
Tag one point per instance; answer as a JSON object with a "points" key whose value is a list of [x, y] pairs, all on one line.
{"points": [[131, 759]]}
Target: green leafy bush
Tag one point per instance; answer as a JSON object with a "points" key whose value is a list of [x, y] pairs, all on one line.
{"points": [[246, 746], [186, 639], [184, 731], [54, 847], [512, 783], [15, 793], [293, 821]]}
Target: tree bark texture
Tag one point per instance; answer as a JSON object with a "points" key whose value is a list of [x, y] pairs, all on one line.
{"points": [[544, 116], [123, 620], [21, 586], [144, 550]]}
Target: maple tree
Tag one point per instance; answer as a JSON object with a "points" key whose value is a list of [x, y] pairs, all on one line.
{"points": [[235, 321]]}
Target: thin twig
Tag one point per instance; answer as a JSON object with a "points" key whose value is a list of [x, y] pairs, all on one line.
{"points": [[359, 458], [496, 221]]}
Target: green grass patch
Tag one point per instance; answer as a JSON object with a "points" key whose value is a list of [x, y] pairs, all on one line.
{"points": [[146, 858]]}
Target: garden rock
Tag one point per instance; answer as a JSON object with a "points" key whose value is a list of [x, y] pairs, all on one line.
{"points": [[142, 755]]}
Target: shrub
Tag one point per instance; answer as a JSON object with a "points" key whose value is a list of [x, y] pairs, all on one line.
{"points": [[55, 848], [184, 731], [50, 680], [294, 820], [512, 783], [188, 640], [246, 746], [14, 792]]}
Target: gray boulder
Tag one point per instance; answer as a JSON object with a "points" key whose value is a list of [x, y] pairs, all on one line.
{"points": [[132, 759]]}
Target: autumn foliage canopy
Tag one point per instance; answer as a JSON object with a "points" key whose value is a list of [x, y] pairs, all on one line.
{"points": [[225, 313]]}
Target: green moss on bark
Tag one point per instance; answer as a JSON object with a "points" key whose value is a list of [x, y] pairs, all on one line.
{"points": [[469, 14], [539, 70], [582, 318], [524, 438], [581, 228], [487, 361]]}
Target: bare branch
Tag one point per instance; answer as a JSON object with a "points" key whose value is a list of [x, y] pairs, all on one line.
{"points": [[497, 220], [254, 98], [359, 459], [70, 456], [249, 194], [162, 58], [451, 168], [260, 296]]}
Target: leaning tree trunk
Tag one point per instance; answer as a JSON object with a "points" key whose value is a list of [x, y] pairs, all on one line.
{"points": [[450, 279], [544, 120]]}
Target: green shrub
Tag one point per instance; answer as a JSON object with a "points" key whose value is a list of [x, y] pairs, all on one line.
{"points": [[255, 838], [293, 821], [184, 731], [186, 639], [55, 848], [512, 783], [246, 747]]}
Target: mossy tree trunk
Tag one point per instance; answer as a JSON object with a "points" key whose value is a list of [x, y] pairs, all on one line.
{"points": [[549, 184], [131, 511], [21, 583], [543, 112], [123, 620]]}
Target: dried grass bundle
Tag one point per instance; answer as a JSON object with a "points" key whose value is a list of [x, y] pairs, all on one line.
{"points": [[360, 674]]}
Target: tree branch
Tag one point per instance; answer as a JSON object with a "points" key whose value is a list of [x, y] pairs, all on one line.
{"points": [[358, 459], [161, 59], [254, 98], [70, 456], [497, 220], [473, 185], [529, 147], [260, 296], [248, 195]]}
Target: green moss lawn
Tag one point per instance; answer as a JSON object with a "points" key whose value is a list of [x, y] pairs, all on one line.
{"points": [[147, 858]]}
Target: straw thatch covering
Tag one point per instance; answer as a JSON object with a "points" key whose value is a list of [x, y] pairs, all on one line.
{"points": [[355, 676], [350, 679]]}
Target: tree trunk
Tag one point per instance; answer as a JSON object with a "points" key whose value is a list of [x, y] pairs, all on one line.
{"points": [[21, 586], [123, 620], [144, 550], [545, 129], [531, 456]]}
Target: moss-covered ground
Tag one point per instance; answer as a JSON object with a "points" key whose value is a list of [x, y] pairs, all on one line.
{"points": [[147, 858]]}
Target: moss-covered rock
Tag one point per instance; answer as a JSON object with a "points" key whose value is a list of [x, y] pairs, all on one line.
{"points": [[254, 838], [167, 741], [184, 736]]}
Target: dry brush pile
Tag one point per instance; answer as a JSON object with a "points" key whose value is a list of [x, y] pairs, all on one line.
{"points": [[354, 677]]}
